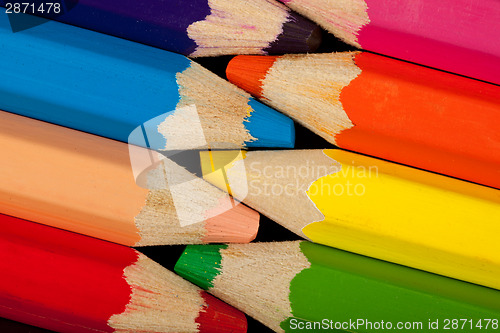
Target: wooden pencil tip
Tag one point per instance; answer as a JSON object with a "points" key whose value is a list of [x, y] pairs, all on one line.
{"points": [[200, 264], [237, 225], [268, 127], [218, 316], [248, 72], [298, 35], [315, 39]]}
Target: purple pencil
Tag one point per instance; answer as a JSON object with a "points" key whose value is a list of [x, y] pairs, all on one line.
{"points": [[194, 28]]}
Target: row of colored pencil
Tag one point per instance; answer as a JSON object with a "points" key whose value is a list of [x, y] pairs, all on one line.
{"points": [[345, 190], [93, 124], [73, 283], [458, 36], [358, 101]]}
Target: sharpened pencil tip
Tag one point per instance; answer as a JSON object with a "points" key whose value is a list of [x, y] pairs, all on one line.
{"points": [[269, 127], [220, 317], [299, 35], [200, 264], [237, 225], [248, 72], [315, 39]]}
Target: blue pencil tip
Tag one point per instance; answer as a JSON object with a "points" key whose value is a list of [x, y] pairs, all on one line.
{"points": [[269, 127]]}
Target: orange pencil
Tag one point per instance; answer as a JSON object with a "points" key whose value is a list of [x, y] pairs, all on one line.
{"points": [[85, 183], [385, 108]]}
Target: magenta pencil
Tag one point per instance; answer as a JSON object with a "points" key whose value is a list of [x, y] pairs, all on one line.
{"points": [[460, 36]]}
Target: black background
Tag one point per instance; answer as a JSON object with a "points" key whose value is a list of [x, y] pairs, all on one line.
{"points": [[268, 231]]}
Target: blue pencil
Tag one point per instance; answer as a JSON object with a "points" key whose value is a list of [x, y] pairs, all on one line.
{"points": [[113, 87], [194, 27]]}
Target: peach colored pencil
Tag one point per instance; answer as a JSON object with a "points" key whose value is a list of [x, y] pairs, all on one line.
{"points": [[85, 183]]}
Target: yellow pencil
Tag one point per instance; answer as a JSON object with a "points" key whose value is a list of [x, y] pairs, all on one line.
{"points": [[372, 207]]}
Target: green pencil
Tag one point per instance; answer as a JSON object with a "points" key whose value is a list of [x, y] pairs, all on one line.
{"points": [[293, 286]]}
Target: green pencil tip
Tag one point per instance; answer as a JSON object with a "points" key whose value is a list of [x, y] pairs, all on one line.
{"points": [[200, 264]]}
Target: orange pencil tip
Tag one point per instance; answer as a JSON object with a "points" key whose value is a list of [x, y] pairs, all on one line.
{"points": [[248, 72]]}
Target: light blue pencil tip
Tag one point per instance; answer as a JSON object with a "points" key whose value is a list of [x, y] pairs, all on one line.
{"points": [[269, 127]]}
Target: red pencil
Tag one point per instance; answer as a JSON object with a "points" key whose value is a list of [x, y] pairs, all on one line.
{"points": [[68, 282]]}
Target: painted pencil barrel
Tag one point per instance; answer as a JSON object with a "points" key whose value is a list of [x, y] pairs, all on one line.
{"points": [[108, 86], [301, 286]]}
